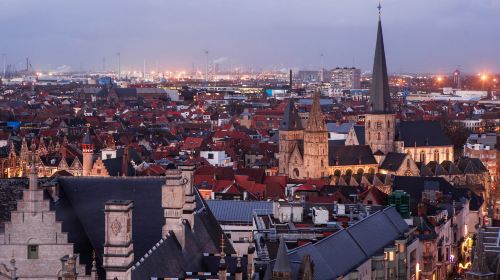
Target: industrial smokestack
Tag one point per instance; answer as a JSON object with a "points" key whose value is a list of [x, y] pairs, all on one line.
{"points": [[291, 79]]}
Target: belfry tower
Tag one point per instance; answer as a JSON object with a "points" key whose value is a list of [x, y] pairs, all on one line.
{"points": [[315, 143], [380, 118]]}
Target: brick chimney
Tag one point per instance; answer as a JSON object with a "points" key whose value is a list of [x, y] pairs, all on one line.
{"points": [[118, 247], [421, 210], [125, 161]]}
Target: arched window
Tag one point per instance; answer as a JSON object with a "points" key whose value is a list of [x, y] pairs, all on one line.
{"points": [[337, 173], [321, 163], [422, 156], [436, 156], [348, 172], [447, 155], [378, 136], [408, 163], [388, 123], [369, 123], [371, 171], [379, 125]]}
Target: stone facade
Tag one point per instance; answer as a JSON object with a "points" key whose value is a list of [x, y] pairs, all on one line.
{"points": [[380, 132], [34, 239]]}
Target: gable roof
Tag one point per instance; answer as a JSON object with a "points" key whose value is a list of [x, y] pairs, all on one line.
{"points": [[393, 161], [350, 155], [343, 251], [81, 204], [422, 133]]}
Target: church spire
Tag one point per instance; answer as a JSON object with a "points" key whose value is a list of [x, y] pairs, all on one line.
{"points": [[380, 98], [316, 123]]}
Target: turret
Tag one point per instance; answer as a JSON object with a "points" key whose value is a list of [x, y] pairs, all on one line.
{"points": [[88, 152], [282, 269]]}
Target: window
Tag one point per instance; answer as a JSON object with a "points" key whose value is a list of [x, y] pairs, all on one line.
{"points": [[436, 156], [210, 156], [379, 125], [378, 136], [388, 124], [108, 156], [98, 171], [32, 252], [422, 156], [447, 155]]}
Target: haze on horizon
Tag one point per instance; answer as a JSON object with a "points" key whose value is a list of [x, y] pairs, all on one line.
{"points": [[420, 36]]}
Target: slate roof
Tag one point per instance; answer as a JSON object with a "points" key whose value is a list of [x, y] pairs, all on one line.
{"points": [[237, 211], [380, 97], [345, 250], [291, 120], [81, 205], [414, 186], [349, 155], [393, 161], [339, 128], [360, 133], [422, 133]]}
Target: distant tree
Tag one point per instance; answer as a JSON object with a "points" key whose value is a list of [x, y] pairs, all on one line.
{"points": [[456, 132]]}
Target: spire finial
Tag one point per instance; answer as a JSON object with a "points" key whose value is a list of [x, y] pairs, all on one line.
{"points": [[222, 244], [379, 7]]}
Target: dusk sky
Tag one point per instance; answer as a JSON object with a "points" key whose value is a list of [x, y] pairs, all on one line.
{"points": [[420, 36]]}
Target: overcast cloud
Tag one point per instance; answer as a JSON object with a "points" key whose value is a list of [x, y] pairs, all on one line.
{"points": [[420, 35]]}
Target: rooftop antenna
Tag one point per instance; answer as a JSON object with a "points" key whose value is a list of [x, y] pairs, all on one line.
{"points": [[119, 65], [206, 68], [322, 73], [4, 56]]}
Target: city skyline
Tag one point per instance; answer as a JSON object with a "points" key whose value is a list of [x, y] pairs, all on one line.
{"points": [[422, 36]]}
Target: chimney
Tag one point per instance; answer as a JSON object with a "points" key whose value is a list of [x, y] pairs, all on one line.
{"points": [[125, 161], [239, 269], [250, 258], [189, 200], [421, 210], [172, 202], [118, 247]]}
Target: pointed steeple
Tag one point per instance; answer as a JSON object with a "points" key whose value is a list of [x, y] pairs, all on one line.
{"points": [[282, 264], [380, 98], [291, 120], [316, 122]]}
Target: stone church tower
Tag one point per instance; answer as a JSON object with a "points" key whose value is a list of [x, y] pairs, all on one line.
{"points": [[315, 143], [380, 119], [291, 135]]}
